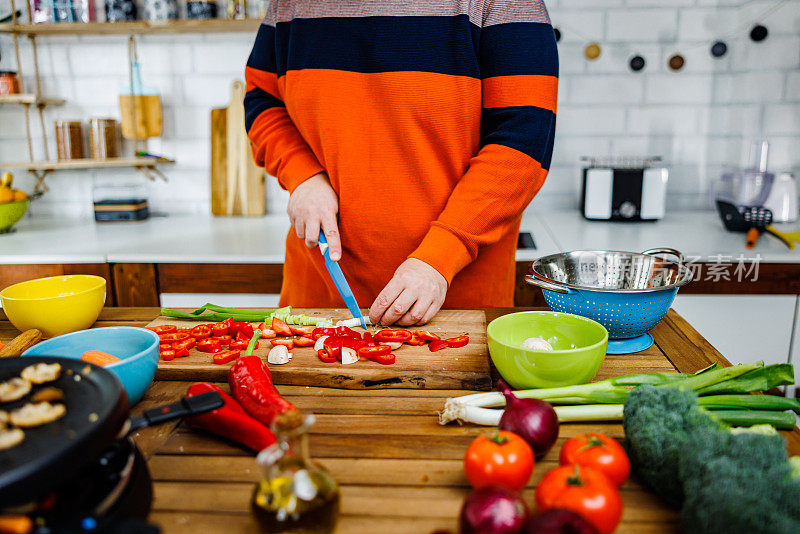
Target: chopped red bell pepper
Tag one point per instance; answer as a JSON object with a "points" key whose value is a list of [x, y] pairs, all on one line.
{"points": [[396, 336], [303, 342], [240, 345], [319, 332], [173, 337], [437, 345], [163, 329], [201, 331], [416, 340], [288, 343], [354, 343], [219, 330], [426, 335], [334, 346], [243, 327], [266, 331], [209, 345], [303, 331], [384, 359], [371, 352], [326, 355], [251, 385], [369, 341], [187, 344], [165, 346], [457, 342], [241, 337], [181, 353], [224, 340], [167, 355], [280, 327], [344, 331], [225, 357]]}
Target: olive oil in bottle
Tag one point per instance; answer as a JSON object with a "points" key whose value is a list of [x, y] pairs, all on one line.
{"points": [[294, 495]]}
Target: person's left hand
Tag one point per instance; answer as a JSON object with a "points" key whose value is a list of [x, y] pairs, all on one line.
{"points": [[413, 295]]}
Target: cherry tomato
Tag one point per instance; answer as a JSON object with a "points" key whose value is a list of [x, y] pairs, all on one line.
{"points": [[438, 345], [163, 329], [457, 342], [426, 335], [303, 342], [280, 327], [599, 452], [288, 343], [397, 336], [582, 490], [499, 459]]}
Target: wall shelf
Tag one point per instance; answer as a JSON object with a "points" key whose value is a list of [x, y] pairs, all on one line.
{"points": [[31, 99], [76, 164], [138, 27]]}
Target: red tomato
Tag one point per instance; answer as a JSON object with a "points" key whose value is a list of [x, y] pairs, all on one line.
{"points": [[499, 459], [582, 490], [288, 343], [303, 342], [163, 329], [599, 452]]}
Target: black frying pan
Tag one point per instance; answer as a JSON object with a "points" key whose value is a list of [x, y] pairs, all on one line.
{"points": [[97, 415]]}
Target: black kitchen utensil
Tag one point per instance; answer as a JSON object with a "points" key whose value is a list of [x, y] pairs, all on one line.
{"points": [[96, 417], [746, 218]]}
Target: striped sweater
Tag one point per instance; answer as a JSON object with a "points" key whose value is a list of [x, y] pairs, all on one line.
{"points": [[434, 120]]}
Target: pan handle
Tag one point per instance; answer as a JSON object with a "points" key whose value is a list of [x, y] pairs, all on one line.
{"points": [[665, 250], [187, 406], [534, 280]]}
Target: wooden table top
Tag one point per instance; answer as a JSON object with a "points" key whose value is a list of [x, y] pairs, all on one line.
{"points": [[399, 470]]}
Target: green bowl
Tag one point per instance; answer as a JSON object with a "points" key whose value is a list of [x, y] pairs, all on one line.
{"points": [[579, 348], [11, 213]]}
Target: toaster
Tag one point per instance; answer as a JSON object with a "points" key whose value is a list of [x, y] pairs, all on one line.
{"points": [[632, 189]]}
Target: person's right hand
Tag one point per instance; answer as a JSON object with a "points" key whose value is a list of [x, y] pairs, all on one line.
{"points": [[313, 206]]}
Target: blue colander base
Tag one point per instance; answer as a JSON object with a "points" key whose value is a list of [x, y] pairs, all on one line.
{"points": [[629, 345]]}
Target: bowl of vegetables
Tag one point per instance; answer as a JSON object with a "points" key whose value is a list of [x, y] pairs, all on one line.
{"points": [[128, 352], [545, 349]]}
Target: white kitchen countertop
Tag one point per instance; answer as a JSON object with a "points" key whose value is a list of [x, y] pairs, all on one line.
{"points": [[208, 239]]}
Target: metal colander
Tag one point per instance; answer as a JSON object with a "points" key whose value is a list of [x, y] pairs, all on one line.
{"points": [[626, 292]]}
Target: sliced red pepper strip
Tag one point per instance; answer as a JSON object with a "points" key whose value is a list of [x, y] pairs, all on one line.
{"points": [[239, 345], [303, 331], [372, 352], [209, 345], [427, 335], [173, 337], [280, 327], [226, 357], [187, 344], [416, 340], [266, 331], [346, 332], [288, 343], [354, 343], [219, 330], [369, 341], [326, 355], [251, 384], [334, 346], [224, 340], [457, 342], [303, 342], [201, 331], [181, 353], [165, 346], [163, 329], [393, 336], [243, 329], [384, 359], [437, 345], [319, 332], [167, 355]]}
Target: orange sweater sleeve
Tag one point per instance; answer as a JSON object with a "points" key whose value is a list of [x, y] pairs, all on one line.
{"points": [[276, 143], [519, 76]]}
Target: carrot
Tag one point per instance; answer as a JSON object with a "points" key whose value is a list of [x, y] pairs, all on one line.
{"points": [[15, 524], [98, 357]]}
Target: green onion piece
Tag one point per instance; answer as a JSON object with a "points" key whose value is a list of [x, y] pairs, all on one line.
{"points": [[749, 402], [252, 345], [780, 420], [760, 379]]}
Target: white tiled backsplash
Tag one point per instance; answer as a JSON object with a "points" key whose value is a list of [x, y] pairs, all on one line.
{"points": [[698, 119]]}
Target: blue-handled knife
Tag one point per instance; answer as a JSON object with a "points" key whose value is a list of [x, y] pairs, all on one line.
{"points": [[341, 282]]}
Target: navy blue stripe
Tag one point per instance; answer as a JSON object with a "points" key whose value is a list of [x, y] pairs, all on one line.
{"points": [[529, 129], [262, 57], [256, 101], [446, 45], [518, 48]]}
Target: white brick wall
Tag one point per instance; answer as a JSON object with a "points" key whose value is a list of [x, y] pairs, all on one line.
{"points": [[699, 119]]}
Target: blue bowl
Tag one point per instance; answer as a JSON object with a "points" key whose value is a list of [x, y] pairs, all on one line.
{"points": [[137, 347]]}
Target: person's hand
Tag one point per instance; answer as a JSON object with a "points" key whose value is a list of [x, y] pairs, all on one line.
{"points": [[313, 206], [413, 295]]}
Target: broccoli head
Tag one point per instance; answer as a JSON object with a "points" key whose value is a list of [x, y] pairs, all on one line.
{"points": [[657, 424]]}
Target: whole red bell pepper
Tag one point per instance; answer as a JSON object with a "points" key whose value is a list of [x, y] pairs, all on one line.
{"points": [[230, 421], [251, 385]]}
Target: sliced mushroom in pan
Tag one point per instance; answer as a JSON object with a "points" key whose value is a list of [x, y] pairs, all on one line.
{"points": [[37, 414], [10, 437], [41, 372], [14, 389]]}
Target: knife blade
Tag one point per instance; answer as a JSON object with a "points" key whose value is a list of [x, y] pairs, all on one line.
{"points": [[340, 281]]}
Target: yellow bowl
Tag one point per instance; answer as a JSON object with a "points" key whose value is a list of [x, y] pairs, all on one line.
{"points": [[55, 305]]}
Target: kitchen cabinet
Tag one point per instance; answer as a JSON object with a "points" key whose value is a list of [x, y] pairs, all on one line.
{"points": [[745, 328]]}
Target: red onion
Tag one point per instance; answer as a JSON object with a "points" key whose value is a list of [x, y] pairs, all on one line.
{"points": [[557, 521], [493, 510], [533, 420]]}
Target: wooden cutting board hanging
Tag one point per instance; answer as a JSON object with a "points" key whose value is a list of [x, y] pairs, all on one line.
{"points": [[237, 183]]}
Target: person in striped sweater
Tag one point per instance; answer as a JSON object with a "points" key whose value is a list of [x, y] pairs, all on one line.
{"points": [[413, 133]]}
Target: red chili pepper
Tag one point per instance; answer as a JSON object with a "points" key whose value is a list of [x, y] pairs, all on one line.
{"points": [[163, 329], [181, 353], [209, 345], [354, 343], [319, 332], [266, 332], [167, 355], [384, 359], [393, 336], [187, 344], [426, 335], [346, 332], [280, 327], [241, 337], [201, 331], [165, 346], [239, 345], [334, 346], [371, 352], [326, 355], [416, 340], [173, 337], [457, 342], [244, 329], [251, 385], [230, 420], [225, 357], [437, 345], [288, 343], [369, 341], [303, 331], [219, 330], [303, 342], [224, 340]]}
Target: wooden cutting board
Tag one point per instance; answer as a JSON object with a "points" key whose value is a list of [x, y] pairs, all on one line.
{"points": [[414, 368], [237, 183]]}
